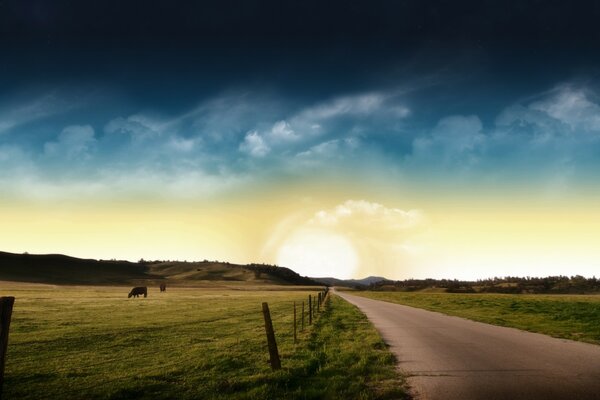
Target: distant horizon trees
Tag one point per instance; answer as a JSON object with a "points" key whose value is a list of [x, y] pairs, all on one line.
{"points": [[560, 284]]}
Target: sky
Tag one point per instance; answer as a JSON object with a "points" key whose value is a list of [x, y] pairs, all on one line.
{"points": [[405, 139]]}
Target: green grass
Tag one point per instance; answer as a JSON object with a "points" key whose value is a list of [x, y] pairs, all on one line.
{"points": [[188, 343], [575, 317], [347, 359]]}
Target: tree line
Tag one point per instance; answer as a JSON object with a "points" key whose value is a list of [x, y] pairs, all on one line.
{"points": [[511, 284]]}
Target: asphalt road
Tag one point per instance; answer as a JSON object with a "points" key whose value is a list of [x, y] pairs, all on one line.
{"points": [[454, 358]]}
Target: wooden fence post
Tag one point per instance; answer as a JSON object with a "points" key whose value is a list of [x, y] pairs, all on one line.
{"points": [[273, 353], [319, 302], [303, 316], [295, 337], [309, 309], [6, 306]]}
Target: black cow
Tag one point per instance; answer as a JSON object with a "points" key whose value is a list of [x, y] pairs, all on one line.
{"points": [[137, 291], [163, 287]]}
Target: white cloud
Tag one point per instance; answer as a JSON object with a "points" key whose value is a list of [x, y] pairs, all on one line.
{"points": [[280, 136], [333, 153], [368, 215], [572, 106], [41, 107], [254, 145], [322, 150], [282, 132], [550, 142], [356, 105], [74, 142]]}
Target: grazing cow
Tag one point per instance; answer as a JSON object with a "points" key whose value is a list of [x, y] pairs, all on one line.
{"points": [[163, 287], [137, 291]]}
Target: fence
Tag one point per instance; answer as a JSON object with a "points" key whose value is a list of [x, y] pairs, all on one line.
{"points": [[272, 343]]}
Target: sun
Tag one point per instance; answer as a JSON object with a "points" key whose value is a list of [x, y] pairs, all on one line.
{"points": [[318, 253]]}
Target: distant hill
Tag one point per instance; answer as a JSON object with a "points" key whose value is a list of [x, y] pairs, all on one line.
{"points": [[58, 268], [350, 282], [61, 269]]}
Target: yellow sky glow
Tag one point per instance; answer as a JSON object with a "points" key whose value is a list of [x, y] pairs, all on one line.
{"points": [[332, 233]]}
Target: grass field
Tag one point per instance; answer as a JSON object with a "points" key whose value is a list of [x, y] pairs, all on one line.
{"points": [[575, 317], [188, 343]]}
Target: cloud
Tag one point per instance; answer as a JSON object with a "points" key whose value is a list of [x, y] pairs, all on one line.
{"points": [[314, 134], [254, 144], [354, 106], [552, 137], [150, 135], [456, 141], [12, 116], [226, 118], [384, 240], [362, 215], [258, 144], [282, 132], [74, 142], [326, 151], [550, 141], [572, 106], [136, 128]]}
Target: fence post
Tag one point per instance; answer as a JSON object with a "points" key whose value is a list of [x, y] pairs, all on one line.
{"points": [[273, 353], [295, 337], [309, 309], [302, 315], [319, 302], [6, 306]]}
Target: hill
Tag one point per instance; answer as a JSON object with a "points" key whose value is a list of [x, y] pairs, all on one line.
{"points": [[58, 268], [62, 269], [350, 282]]}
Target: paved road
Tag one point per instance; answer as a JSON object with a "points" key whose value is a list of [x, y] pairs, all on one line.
{"points": [[454, 358]]}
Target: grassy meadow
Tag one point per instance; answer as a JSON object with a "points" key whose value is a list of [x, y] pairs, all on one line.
{"points": [[575, 317], [74, 342]]}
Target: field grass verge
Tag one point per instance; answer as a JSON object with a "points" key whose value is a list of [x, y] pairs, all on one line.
{"points": [[347, 359], [75, 342], [574, 317]]}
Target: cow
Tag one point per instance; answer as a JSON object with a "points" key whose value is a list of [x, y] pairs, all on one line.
{"points": [[163, 287], [139, 290]]}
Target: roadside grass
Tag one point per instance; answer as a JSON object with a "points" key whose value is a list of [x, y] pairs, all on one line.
{"points": [[575, 317], [75, 342], [347, 359]]}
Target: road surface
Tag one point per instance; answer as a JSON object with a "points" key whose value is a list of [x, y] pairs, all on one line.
{"points": [[454, 358]]}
